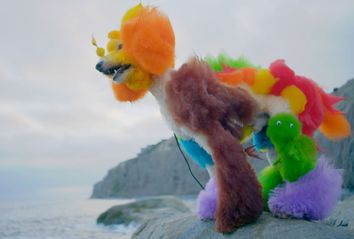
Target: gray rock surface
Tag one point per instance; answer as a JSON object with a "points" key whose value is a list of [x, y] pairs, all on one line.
{"points": [[158, 170], [341, 152], [187, 226], [343, 215], [143, 210]]}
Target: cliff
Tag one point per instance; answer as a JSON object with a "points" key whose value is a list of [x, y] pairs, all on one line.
{"points": [[158, 170], [341, 153]]}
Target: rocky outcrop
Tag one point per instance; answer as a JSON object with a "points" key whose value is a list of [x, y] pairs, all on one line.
{"points": [[266, 227], [341, 152], [169, 217], [158, 170], [142, 210]]}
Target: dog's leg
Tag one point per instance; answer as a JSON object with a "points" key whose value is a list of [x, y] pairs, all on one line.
{"points": [[239, 193]]}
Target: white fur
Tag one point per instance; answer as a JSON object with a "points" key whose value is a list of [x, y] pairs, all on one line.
{"points": [[277, 104], [158, 90], [270, 104]]}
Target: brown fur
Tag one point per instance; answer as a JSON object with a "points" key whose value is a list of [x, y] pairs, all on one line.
{"points": [[202, 104]]}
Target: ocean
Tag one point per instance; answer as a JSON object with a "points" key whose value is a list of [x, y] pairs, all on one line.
{"points": [[58, 219]]}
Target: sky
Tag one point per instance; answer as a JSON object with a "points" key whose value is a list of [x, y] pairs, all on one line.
{"points": [[60, 126]]}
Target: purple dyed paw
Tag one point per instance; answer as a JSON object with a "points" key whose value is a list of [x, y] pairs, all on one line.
{"points": [[283, 209], [312, 197], [207, 201]]}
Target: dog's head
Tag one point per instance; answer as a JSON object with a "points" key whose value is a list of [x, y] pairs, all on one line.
{"points": [[141, 49]]}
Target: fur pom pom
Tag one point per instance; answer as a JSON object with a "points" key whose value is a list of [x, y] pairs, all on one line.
{"points": [[312, 197], [335, 126], [123, 93], [263, 82], [223, 60], [149, 40], [285, 76], [207, 201], [312, 116]]}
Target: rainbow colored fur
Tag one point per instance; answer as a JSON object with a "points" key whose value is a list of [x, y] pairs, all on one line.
{"points": [[214, 109], [297, 107], [304, 97]]}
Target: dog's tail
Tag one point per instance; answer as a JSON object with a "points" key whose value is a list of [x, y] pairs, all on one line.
{"points": [[334, 125]]}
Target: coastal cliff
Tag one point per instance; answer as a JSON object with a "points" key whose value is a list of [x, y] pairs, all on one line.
{"points": [[157, 170], [341, 153]]}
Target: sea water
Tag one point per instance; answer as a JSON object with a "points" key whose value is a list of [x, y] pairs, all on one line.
{"points": [[59, 219]]}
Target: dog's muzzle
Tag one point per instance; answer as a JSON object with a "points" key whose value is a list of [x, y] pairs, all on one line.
{"points": [[115, 71]]}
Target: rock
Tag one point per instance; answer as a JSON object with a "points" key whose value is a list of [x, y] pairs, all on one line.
{"points": [[185, 226], [158, 170], [343, 215], [346, 193], [341, 153], [142, 210]]}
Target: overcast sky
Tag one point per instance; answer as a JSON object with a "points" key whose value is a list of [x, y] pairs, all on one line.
{"points": [[59, 123]]}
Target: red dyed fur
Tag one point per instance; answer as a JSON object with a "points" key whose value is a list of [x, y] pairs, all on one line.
{"points": [[198, 101]]}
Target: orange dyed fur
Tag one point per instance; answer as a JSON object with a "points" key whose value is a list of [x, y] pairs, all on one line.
{"points": [[123, 93], [152, 50], [335, 125], [234, 78]]}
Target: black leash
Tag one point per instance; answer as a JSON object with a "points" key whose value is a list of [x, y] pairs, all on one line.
{"points": [[185, 159]]}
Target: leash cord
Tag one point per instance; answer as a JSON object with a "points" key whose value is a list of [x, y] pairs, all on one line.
{"points": [[186, 160]]}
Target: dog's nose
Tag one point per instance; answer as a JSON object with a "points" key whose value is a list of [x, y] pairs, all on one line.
{"points": [[99, 66]]}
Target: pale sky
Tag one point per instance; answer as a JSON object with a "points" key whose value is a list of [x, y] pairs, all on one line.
{"points": [[59, 123]]}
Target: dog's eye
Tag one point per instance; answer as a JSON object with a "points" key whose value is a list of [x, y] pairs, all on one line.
{"points": [[278, 123], [120, 46], [291, 125]]}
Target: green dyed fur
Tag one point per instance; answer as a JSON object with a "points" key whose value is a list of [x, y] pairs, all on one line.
{"points": [[296, 153], [269, 178], [216, 63]]}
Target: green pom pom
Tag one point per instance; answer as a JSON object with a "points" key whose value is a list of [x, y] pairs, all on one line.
{"points": [[216, 63]]}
